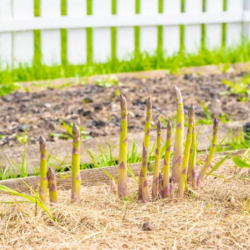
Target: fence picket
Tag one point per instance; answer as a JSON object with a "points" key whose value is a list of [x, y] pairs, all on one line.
{"points": [[125, 35], [23, 41], [214, 31], [193, 32], [51, 39], [246, 31], [5, 38], [76, 39], [171, 34], [148, 35], [234, 30], [101, 36], [17, 24]]}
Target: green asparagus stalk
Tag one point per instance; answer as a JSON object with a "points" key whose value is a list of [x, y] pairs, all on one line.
{"points": [[192, 158], [179, 138], [43, 170], [155, 186], [183, 177], [166, 166], [143, 182], [52, 185], [122, 172], [76, 176], [209, 158]]}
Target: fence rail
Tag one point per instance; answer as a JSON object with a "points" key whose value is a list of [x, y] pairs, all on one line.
{"points": [[18, 43]]}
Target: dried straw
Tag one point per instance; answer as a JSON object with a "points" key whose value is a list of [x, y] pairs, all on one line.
{"points": [[211, 218]]}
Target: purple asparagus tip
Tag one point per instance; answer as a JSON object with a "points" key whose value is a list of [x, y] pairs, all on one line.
{"points": [[123, 101], [75, 131], [178, 94], [216, 122], [42, 140], [191, 111], [158, 126], [169, 127], [149, 103], [42, 143], [51, 173]]}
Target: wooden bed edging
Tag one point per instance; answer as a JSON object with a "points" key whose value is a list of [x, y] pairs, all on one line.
{"points": [[90, 177], [63, 150]]}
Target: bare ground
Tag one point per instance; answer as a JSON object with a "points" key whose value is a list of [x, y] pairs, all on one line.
{"points": [[97, 109]]}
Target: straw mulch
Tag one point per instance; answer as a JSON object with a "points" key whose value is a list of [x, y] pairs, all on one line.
{"points": [[209, 219]]}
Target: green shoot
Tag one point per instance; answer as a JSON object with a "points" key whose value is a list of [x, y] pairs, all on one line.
{"points": [[31, 198]]}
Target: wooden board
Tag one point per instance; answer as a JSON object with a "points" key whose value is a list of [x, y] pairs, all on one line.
{"points": [[90, 177]]}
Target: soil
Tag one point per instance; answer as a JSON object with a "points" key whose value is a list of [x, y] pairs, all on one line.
{"points": [[97, 110]]}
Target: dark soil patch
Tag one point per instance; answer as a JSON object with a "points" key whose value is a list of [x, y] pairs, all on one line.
{"points": [[97, 108]]}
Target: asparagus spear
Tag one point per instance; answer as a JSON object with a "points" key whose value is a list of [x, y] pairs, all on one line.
{"points": [[52, 185], [208, 161], [76, 176], [192, 158], [155, 186], [179, 137], [143, 182], [43, 169], [122, 172], [166, 167], [183, 177]]}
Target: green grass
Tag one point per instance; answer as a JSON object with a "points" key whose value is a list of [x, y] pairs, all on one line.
{"points": [[10, 78], [105, 158]]}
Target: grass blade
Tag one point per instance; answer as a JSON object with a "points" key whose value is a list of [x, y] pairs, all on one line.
{"points": [[218, 164]]}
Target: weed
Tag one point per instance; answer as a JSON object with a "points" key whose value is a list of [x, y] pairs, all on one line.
{"points": [[208, 120], [238, 88], [68, 129], [108, 82]]}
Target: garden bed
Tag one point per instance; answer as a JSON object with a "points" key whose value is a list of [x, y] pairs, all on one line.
{"points": [[95, 107], [215, 216], [212, 218]]}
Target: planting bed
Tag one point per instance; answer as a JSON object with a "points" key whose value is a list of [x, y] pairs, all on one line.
{"points": [[96, 108], [209, 219], [213, 217]]}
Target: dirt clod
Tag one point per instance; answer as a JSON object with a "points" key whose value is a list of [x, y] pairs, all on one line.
{"points": [[147, 226]]}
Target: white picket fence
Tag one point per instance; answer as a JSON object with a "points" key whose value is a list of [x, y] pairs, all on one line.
{"points": [[17, 23]]}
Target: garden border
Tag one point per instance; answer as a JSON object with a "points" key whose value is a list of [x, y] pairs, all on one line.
{"points": [[89, 177]]}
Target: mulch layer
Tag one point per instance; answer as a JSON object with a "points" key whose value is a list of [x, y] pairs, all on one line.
{"points": [[216, 217]]}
